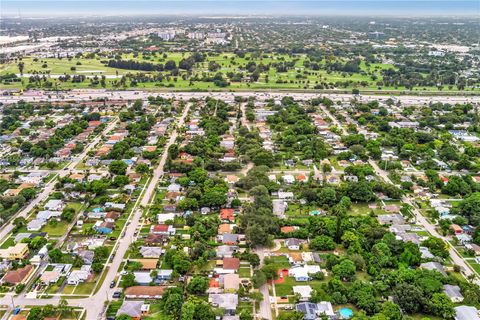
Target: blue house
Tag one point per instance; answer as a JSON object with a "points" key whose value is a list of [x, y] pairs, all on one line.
{"points": [[164, 274], [104, 227]]}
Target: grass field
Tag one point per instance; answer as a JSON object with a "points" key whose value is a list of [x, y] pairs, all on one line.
{"points": [[55, 228], [296, 77]]}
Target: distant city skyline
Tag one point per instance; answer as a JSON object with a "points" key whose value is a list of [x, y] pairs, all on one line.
{"points": [[403, 8]]}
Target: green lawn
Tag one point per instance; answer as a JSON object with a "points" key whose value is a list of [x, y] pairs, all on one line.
{"points": [[55, 228], [244, 272], [285, 288], [85, 288], [298, 77]]}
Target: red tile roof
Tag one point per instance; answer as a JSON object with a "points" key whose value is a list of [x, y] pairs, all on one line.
{"points": [[17, 276], [160, 228], [231, 263]]}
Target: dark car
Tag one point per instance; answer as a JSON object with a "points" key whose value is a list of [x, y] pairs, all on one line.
{"points": [[117, 294], [112, 284]]}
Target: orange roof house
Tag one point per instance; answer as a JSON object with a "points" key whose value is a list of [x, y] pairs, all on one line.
{"points": [[103, 150], [301, 178], [224, 228], [147, 264], [94, 123], [227, 215], [149, 148], [288, 229]]}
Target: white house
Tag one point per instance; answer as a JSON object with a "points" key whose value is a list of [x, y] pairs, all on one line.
{"points": [[164, 217], [305, 292], [288, 178], [54, 205], [79, 276]]}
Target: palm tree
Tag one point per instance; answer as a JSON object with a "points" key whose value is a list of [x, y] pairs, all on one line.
{"points": [[63, 307]]}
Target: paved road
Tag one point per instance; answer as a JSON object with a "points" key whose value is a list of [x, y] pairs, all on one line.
{"points": [[89, 94], [49, 187], [158, 173], [265, 307]]}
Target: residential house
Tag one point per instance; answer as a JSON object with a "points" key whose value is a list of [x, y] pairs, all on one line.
{"points": [[151, 252], [230, 281], [51, 276], [226, 251], [456, 228], [144, 292], [164, 274], [18, 276], [155, 239], [112, 216], [118, 206], [164, 217], [433, 266], [55, 205], [227, 215], [285, 195], [453, 292], [142, 278], [163, 229], [17, 252], [225, 228], [279, 207], [86, 256], [36, 225], [314, 311], [226, 301], [230, 238], [147, 264], [78, 276], [134, 309], [231, 264], [305, 292], [303, 273], [393, 218], [466, 313], [288, 178], [104, 227], [293, 243], [288, 229]]}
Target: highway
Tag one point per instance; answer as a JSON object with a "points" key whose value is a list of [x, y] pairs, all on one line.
{"points": [[89, 94]]}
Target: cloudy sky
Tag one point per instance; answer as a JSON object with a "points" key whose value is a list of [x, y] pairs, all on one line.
{"points": [[239, 7]]}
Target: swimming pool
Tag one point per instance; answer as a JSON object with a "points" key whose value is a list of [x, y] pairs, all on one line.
{"points": [[345, 313]]}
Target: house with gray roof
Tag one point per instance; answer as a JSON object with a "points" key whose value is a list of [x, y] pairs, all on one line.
{"points": [[466, 313], [434, 266], [226, 301], [453, 292], [133, 309], [226, 251]]}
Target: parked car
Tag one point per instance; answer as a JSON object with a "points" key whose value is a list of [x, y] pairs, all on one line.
{"points": [[112, 284], [117, 294]]}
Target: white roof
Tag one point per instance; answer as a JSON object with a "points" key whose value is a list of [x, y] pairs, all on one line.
{"points": [[162, 217], [303, 291], [142, 277]]}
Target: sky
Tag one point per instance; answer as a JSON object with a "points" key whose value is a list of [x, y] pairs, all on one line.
{"points": [[404, 8]]}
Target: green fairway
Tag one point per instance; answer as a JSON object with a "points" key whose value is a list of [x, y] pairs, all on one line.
{"points": [[234, 69]]}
